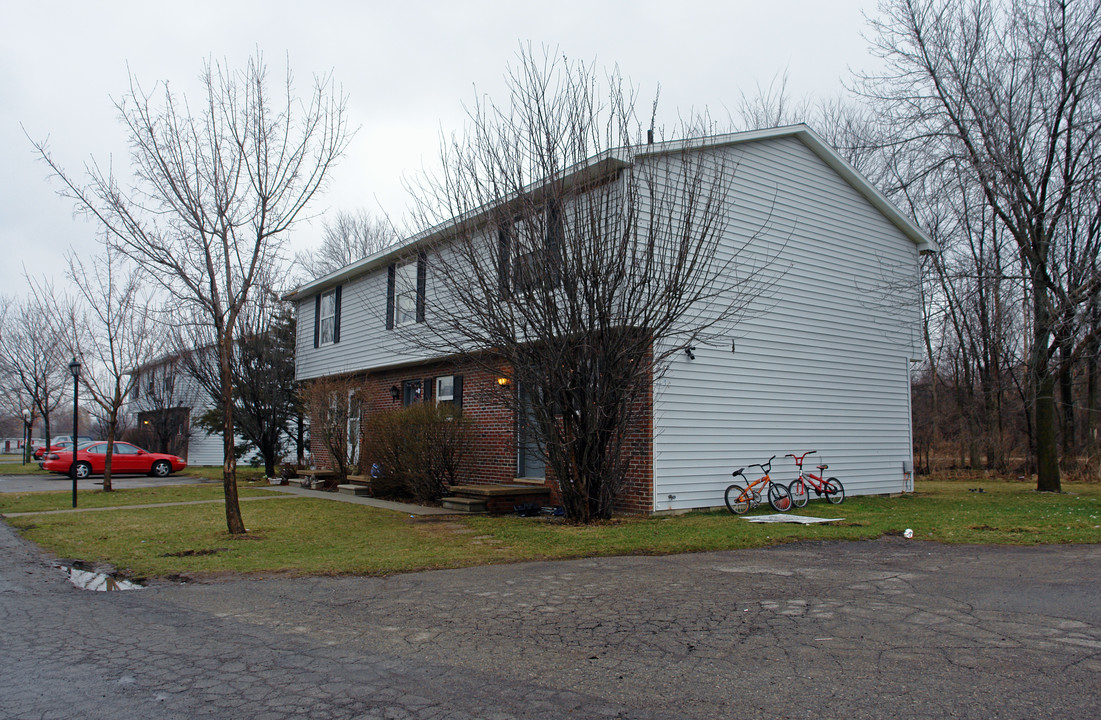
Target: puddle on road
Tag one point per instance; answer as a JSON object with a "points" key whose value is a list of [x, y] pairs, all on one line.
{"points": [[98, 582]]}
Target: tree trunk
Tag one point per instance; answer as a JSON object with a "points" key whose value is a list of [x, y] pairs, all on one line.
{"points": [[110, 452], [300, 440], [112, 434], [1093, 451], [1047, 446], [234, 521], [1066, 396]]}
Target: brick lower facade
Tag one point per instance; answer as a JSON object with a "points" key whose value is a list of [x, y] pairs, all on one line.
{"points": [[493, 458]]}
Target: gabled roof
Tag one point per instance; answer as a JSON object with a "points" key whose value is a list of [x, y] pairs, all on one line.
{"points": [[611, 160]]}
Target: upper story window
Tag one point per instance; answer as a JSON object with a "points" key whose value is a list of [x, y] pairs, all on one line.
{"points": [[405, 292], [327, 312], [530, 252]]}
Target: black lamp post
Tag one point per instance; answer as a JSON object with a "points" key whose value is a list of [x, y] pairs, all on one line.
{"points": [[74, 368], [26, 436]]}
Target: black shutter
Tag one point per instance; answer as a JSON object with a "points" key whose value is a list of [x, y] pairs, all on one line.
{"points": [[336, 317], [390, 277], [457, 391], [553, 242], [422, 284], [317, 322], [504, 261], [428, 389]]}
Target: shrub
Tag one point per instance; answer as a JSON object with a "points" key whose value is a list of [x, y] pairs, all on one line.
{"points": [[419, 450]]}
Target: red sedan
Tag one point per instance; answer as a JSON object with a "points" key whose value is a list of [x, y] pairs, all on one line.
{"points": [[126, 459], [41, 452]]}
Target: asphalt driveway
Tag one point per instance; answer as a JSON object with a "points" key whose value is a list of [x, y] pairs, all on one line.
{"points": [[882, 629], [46, 483]]}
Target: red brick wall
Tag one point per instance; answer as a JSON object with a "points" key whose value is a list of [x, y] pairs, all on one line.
{"points": [[493, 457], [637, 493]]}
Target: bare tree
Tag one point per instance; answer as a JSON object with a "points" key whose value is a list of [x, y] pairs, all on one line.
{"points": [[346, 237], [587, 275], [333, 405], [215, 190], [108, 324], [1008, 93], [265, 393], [32, 363]]}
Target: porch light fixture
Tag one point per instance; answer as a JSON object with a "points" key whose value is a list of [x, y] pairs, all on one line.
{"points": [[689, 351], [394, 393], [503, 381]]}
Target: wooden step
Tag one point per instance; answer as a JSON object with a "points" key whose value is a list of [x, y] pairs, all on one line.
{"points": [[501, 499], [488, 491]]}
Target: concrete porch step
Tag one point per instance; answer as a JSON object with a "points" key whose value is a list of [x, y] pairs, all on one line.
{"points": [[464, 504], [350, 489]]}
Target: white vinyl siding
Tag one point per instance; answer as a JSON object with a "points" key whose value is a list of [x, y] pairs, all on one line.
{"points": [[821, 359], [364, 341]]}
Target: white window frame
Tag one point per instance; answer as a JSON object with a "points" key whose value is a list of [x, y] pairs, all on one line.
{"points": [[440, 395], [405, 293], [327, 319]]}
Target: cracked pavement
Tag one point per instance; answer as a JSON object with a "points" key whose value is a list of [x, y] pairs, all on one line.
{"points": [[877, 629]]}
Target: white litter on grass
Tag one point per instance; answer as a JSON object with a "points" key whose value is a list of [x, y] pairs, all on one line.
{"points": [[782, 518]]}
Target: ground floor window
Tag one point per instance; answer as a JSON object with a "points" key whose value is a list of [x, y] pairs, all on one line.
{"points": [[412, 392], [445, 389]]}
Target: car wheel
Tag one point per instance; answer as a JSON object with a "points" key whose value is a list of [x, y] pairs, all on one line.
{"points": [[83, 470], [161, 468]]}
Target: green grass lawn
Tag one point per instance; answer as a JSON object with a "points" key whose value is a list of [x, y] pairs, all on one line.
{"points": [[214, 472], [18, 468], [317, 536]]}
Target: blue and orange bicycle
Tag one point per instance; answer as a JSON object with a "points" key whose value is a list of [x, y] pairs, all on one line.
{"points": [[740, 499]]}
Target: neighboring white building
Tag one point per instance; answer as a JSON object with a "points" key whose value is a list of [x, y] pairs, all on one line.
{"points": [[822, 363], [165, 406]]}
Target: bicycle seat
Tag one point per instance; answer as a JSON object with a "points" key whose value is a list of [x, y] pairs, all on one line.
{"points": [[737, 472], [823, 467]]}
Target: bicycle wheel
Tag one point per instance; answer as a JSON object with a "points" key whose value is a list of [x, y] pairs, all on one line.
{"points": [[799, 494], [779, 497], [835, 491], [737, 500]]}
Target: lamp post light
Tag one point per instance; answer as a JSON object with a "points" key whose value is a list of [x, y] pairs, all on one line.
{"points": [[26, 436], [74, 368]]}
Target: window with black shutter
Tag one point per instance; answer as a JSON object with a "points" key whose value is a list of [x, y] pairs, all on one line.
{"points": [[406, 287], [327, 312]]}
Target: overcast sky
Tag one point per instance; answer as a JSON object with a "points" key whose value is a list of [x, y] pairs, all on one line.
{"points": [[407, 67]]}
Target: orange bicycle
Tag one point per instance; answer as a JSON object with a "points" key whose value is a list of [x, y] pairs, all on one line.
{"points": [[740, 499]]}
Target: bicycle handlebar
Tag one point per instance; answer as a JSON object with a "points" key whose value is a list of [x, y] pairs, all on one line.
{"points": [[799, 458], [768, 469]]}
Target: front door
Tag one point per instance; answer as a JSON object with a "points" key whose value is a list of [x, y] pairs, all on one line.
{"points": [[529, 461]]}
